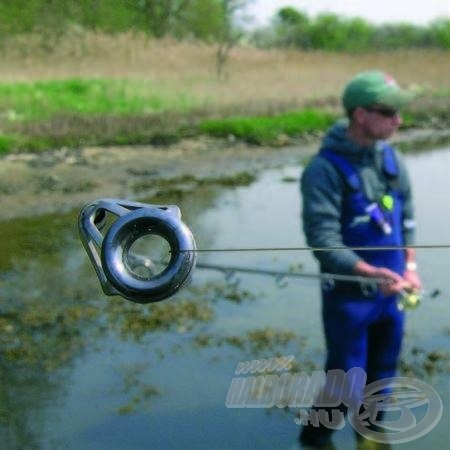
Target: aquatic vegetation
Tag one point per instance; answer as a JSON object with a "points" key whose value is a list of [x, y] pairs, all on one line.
{"points": [[304, 364], [53, 183], [139, 393], [269, 339], [180, 315], [181, 185], [254, 342], [423, 364], [237, 179], [44, 336], [288, 179], [218, 291]]}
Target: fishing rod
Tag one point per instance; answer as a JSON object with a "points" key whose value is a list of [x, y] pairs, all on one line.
{"points": [[408, 299], [121, 271]]}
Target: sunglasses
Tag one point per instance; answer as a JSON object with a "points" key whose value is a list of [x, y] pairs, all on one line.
{"points": [[383, 111]]}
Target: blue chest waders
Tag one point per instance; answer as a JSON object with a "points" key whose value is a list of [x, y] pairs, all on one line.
{"points": [[366, 330], [362, 329]]}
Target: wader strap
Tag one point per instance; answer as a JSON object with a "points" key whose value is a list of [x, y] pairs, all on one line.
{"points": [[349, 172], [389, 162], [345, 167]]}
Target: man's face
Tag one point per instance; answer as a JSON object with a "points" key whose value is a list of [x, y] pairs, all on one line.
{"points": [[379, 121]]}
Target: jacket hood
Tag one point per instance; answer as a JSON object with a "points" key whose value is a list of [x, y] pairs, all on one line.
{"points": [[336, 140]]}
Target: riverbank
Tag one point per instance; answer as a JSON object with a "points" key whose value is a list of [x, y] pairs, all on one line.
{"points": [[77, 113], [103, 90], [60, 180], [158, 119]]}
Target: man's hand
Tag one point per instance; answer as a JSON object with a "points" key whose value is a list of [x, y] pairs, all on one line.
{"points": [[394, 282], [410, 274], [412, 277]]}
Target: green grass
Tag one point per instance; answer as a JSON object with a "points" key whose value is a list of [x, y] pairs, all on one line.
{"points": [[46, 99], [74, 113], [267, 129], [7, 142]]}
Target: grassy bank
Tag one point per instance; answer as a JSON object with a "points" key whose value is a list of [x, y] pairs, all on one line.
{"points": [[270, 130], [46, 99], [41, 115], [77, 113], [103, 90]]}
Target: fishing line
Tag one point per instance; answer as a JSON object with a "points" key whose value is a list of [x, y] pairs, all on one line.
{"points": [[123, 271], [319, 249]]}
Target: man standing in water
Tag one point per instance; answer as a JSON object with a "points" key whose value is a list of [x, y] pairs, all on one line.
{"points": [[356, 193]]}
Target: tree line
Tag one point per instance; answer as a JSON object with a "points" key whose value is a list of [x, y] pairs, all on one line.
{"points": [[215, 21], [331, 32], [200, 19]]}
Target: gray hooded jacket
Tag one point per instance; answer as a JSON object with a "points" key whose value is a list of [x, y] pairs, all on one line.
{"points": [[323, 187]]}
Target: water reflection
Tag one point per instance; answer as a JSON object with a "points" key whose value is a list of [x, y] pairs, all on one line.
{"points": [[106, 373], [52, 311]]}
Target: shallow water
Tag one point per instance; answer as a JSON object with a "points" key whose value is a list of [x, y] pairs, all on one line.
{"points": [[84, 371]]}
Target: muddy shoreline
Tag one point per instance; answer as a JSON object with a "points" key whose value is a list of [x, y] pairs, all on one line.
{"points": [[60, 180]]}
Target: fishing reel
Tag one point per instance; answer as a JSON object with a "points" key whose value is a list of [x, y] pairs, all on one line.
{"points": [[411, 299], [118, 234]]}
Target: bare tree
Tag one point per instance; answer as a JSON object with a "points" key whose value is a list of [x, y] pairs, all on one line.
{"points": [[229, 33]]}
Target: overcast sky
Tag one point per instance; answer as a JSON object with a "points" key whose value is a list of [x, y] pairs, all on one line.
{"points": [[377, 11]]}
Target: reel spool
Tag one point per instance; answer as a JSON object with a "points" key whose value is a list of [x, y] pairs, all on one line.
{"points": [[413, 299], [122, 271], [409, 300]]}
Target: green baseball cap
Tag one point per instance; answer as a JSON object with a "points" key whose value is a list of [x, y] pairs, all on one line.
{"points": [[375, 87]]}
